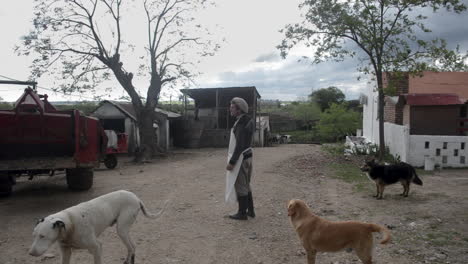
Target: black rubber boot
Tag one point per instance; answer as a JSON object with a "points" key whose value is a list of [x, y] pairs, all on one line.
{"points": [[242, 213], [250, 206]]}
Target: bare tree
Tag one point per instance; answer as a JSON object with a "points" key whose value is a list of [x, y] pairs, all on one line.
{"points": [[87, 41]]}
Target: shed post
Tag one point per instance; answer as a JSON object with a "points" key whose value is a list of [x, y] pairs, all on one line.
{"points": [[185, 106], [217, 108], [254, 110], [260, 130]]}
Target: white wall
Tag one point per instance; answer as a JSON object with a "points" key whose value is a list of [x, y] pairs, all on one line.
{"points": [[370, 123], [396, 136], [418, 150], [131, 129], [397, 140], [163, 134], [263, 123]]}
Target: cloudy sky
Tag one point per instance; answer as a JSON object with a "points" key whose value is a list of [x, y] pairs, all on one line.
{"points": [[248, 57]]}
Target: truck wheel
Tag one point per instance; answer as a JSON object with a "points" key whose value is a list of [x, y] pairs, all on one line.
{"points": [[80, 179], [110, 161], [6, 186]]}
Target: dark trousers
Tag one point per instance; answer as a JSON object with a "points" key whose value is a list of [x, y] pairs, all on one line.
{"points": [[242, 185]]}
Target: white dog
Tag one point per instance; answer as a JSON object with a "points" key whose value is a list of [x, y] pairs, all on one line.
{"points": [[78, 227]]}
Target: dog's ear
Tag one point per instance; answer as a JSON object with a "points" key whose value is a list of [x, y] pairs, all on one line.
{"points": [[59, 224], [39, 220], [291, 208]]}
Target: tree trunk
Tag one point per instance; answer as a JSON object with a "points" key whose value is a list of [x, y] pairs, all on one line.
{"points": [[148, 138], [380, 116], [145, 113]]}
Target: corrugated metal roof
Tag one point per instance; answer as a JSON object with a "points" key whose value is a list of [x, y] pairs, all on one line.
{"points": [[128, 110], [167, 113], [432, 99], [196, 93]]}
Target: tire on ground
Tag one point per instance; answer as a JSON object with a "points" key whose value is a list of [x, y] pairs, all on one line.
{"points": [[110, 161], [80, 179]]}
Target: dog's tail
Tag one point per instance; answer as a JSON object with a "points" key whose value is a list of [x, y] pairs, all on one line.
{"points": [[416, 179], [150, 215], [383, 230]]}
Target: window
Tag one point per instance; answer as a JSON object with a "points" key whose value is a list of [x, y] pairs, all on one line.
{"points": [[118, 125], [462, 160], [445, 145], [455, 152], [463, 111], [426, 145], [437, 152], [463, 145], [444, 159]]}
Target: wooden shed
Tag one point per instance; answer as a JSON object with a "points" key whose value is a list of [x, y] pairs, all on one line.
{"points": [[207, 121]]}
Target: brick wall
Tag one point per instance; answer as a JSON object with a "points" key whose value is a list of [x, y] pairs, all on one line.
{"points": [[393, 113], [389, 111], [398, 80]]}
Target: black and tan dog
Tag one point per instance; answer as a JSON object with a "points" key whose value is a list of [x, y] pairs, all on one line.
{"points": [[320, 235], [384, 175]]}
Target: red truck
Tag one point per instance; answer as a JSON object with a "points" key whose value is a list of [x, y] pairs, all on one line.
{"points": [[36, 138]]}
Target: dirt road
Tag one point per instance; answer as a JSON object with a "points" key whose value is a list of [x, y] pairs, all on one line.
{"points": [[194, 227]]}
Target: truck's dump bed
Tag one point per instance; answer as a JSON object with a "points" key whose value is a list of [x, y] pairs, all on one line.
{"points": [[34, 135], [27, 135]]}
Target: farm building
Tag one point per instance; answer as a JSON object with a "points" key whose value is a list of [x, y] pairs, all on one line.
{"points": [[207, 122], [121, 117], [426, 120]]}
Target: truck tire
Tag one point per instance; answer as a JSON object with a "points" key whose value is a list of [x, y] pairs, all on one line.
{"points": [[80, 179], [110, 161], [6, 186]]}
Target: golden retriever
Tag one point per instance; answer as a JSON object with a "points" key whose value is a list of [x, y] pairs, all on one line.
{"points": [[320, 235]]}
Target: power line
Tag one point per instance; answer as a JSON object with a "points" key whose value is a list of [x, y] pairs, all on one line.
{"points": [[48, 89]]}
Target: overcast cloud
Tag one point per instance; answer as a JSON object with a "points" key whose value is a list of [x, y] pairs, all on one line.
{"points": [[247, 58], [291, 80]]}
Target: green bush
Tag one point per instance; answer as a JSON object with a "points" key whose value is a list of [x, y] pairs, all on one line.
{"points": [[337, 122], [336, 149], [5, 106], [302, 136]]}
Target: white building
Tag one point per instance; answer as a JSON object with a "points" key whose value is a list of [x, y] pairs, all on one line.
{"points": [[426, 123]]}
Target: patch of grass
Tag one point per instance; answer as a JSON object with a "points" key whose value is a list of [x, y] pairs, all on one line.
{"points": [[454, 168], [302, 136], [336, 149], [435, 195], [424, 172], [440, 239], [350, 174]]}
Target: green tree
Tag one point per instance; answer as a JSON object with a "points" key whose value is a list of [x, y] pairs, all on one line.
{"points": [[4, 105], [337, 122], [306, 112], [326, 96], [85, 107], [383, 34], [86, 42]]}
